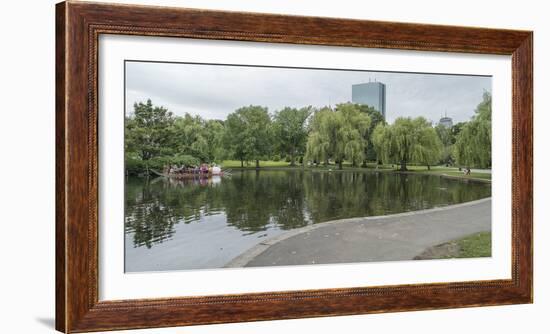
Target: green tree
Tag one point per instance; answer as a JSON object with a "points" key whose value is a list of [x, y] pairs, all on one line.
{"points": [[234, 137], [407, 140], [189, 136], [213, 133], [382, 142], [455, 130], [473, 144], [447, 140], [148, 132], [339, 134], [319, 141], [155, 138], [376, 118], [290, 131], [428, 147], [248, 133], [352, 135]]}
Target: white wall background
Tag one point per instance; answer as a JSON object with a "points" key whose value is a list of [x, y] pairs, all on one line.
{"points": [[27, 145]]}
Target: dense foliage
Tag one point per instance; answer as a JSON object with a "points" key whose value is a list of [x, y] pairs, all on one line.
{"points": [[407, 140], [349, 132], [473, 143], [339, 134], [248, 134], [290, 132]]}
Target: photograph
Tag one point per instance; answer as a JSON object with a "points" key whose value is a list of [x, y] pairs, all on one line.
{"points": [[234, 165]]}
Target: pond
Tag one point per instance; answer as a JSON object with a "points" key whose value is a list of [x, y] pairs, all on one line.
{"points": [[201, 224]]}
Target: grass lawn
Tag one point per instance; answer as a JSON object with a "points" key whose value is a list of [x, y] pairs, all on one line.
{"points": [[252, 164], [485, 176], [451, 171], [283, 164], [436, 170], [475, 245]]}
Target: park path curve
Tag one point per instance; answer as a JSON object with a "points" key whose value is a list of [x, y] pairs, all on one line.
{"points": [[382, 238]]}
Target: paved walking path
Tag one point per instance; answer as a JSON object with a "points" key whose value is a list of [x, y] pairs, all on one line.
{"points": [[383, 238]]}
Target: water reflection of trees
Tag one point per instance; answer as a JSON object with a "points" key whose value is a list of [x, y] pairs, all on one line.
{"points": [[153, 208], [254, 201]]}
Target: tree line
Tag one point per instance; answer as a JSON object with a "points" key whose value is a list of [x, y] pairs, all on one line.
{"points": [[352, 133]]}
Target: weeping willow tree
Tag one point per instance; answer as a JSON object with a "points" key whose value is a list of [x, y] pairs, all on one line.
{"points": [[473, 144], [338, 134], [381, 142], [352, 134], [428, 148], [407, 140], [319, 141]]}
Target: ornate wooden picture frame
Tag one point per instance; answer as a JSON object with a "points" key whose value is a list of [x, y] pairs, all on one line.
{"points": [[78, 27]]}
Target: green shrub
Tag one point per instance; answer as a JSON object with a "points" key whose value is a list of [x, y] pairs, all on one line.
{"points": [[136, 166], [184, 159]]}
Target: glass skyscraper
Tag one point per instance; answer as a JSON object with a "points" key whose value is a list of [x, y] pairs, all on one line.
{"points": [[372, 94]]}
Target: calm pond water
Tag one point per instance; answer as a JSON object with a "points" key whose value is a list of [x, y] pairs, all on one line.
{"points": [[192, 224]]}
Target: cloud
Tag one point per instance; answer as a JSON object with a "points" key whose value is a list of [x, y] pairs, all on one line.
{"points": [[214, 91]]}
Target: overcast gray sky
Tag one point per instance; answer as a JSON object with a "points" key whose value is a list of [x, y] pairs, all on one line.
{"points": [[214, 91]]}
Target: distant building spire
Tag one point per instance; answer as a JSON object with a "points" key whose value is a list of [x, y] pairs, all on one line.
{"points": [[446, 121]]}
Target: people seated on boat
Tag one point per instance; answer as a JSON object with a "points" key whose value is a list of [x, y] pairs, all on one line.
{"points": [[216, 170], [204, 169]]}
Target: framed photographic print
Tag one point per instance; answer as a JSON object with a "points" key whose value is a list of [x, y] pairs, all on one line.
{"points": [[225, 166]]}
